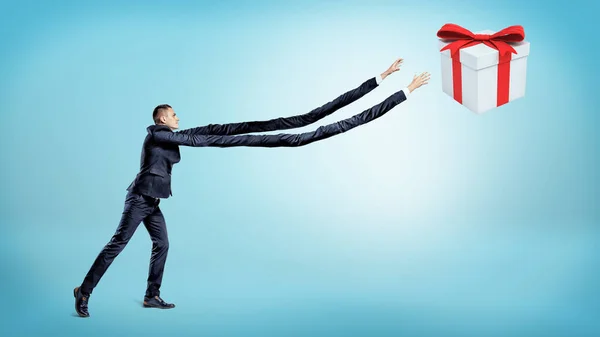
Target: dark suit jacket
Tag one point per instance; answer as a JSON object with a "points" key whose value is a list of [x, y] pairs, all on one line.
{"points": [[161, 146]]}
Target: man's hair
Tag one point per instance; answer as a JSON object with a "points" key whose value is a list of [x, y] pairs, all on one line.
{"points": [[159, 111]]}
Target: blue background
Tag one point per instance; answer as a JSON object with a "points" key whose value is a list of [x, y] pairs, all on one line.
{"points": [[431, 221]]}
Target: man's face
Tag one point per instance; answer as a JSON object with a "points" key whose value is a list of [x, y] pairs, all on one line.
{"points": [[171, 120]]}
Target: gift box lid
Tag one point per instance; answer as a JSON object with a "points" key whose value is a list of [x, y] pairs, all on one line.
{"points": [[481, 56]]}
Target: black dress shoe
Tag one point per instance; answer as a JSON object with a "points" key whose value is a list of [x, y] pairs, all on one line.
{"points": [[81, 303], [157, 302]]}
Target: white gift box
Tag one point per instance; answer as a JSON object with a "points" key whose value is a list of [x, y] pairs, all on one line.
{"points": [[479, 67]]}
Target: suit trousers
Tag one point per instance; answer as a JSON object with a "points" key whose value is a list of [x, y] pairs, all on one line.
{"points": [[138, 208]]}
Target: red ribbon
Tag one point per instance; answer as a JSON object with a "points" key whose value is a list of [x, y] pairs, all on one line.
{"points": [[463, 38]]}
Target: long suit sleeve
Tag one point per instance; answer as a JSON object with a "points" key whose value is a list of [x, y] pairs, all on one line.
{"points": [[284, 123], [283, 139]]}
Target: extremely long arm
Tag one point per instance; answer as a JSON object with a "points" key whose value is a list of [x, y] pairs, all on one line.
{"points": [[281, 140], [285, 123]]}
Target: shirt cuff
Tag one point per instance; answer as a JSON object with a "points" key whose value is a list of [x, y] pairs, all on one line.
{"points": [[378, 79], [406, 92]]}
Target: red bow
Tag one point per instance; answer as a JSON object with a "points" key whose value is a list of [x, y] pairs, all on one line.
{"points": [[464, 38]]}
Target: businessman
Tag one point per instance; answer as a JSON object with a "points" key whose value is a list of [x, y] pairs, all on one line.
{"points": [[160, 152]]}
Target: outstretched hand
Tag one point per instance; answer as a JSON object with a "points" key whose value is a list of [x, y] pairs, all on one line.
{"points": [[393, 68], [418, 81]]}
